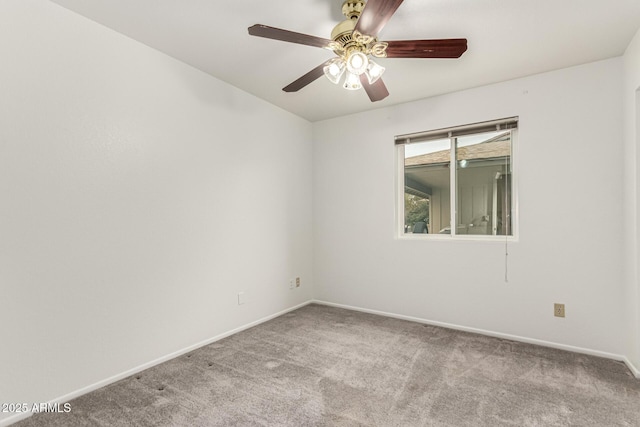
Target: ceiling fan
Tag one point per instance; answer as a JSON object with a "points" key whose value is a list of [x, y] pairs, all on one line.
{"points": [[355, 41]]}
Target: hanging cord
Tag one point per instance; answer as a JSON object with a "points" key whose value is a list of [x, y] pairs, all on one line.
{"points": [[506, 260]]}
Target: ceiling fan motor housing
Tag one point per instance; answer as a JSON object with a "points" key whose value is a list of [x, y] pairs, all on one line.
{"points": [[342, 32]]}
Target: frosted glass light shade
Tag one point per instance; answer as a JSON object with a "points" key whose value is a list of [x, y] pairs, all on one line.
{"points": [[357, 63], [352, 81], [374, 72], [334, 70]]}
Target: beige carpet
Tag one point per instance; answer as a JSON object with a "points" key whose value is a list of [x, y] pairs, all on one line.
{"points": [[323, 366]]}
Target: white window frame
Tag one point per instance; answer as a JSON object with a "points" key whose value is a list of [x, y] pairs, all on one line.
{"points": [[453, 133]]}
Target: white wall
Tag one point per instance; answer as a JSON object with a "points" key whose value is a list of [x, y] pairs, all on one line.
{"points": [[631, 98], [138, 196], [570, 208]]}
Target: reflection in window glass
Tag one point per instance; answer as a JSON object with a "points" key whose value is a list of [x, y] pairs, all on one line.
{"points": [[427, 187], [483, 184]]}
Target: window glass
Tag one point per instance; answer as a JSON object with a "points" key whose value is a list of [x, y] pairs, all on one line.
{"points": [[483, 184], [427, 184], [458, 181]]}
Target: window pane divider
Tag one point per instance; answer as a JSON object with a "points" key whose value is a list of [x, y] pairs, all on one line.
{"points": [[453, 186]]}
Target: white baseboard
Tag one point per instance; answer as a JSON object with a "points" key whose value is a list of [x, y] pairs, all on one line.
{"points": [[543, 343], [631, 367], [62, 399], [70, 396]]}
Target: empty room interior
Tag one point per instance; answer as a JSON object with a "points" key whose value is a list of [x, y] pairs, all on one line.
{"points": [[436, 225]]}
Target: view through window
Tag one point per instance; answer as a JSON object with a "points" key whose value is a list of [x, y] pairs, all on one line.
{"points": [[469, 169]]}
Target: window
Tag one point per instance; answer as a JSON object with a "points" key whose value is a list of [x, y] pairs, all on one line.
{"points": [[467, 167]]}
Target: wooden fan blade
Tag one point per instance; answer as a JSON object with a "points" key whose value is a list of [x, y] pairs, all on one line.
{"points": [[376, 91], [443, 48], [265, 31], [375, 15], [306, 79]]}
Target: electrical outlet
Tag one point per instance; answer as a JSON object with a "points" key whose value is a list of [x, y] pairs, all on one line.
{"points": [[297, 282], [292, 283], [558, 310], [241, 298]]}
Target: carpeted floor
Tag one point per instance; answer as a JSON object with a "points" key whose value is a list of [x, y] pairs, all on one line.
{"points": [[324, 366]]}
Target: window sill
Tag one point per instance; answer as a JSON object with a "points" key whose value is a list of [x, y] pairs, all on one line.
{"points": [[457, 238]]}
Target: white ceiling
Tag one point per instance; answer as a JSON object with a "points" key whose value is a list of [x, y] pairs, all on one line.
{"points": [[507, 39]]}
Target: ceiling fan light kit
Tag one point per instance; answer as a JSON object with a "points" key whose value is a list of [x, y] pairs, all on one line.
{"points": [[353, 49], [355, 42]]}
